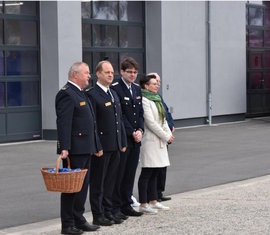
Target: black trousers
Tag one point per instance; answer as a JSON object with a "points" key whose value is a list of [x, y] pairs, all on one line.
{"points": [[161, 181], [72, 204], [125, 178], [102, 181], [147, 184]]}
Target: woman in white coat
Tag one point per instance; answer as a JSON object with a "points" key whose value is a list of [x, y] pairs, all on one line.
{"points": [[154, 154]]}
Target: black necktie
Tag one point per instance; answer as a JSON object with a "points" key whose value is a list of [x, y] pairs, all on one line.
{"points": [[110, 94]]}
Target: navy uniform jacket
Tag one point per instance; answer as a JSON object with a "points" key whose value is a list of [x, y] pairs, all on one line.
{"points": [[110, 125], [76, 125], [131, 108], [168, 114]]}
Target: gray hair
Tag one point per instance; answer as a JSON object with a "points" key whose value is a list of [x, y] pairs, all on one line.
{"points": [[152, 74], [76, 67]]}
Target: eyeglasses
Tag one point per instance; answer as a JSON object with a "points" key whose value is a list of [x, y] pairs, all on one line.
{"points": [[130, 72]]}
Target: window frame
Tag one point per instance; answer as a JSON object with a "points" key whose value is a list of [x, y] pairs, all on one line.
{"points": [[118, 49]]}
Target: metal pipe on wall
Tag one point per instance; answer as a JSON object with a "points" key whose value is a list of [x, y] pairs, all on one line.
{"points": [[208, 70]]}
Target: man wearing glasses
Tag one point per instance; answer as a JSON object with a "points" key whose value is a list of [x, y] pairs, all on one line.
{"points": [[131, 103]]}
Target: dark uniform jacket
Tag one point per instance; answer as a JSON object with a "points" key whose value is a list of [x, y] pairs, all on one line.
{"points": [[131, 108], [169, 117], [110, 124], [76, 125]]}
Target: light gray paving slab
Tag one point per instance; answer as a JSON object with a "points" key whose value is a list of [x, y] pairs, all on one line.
{"points": [[236, 208]]}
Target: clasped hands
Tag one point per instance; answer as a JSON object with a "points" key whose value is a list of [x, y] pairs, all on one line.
{"points": [[137, 136]]}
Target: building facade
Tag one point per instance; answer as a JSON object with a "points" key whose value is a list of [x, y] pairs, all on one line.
{"points": [[202, 50]]}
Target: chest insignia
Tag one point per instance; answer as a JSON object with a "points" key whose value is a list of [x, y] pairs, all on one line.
{"points": [[82, 103], [108, 104]]}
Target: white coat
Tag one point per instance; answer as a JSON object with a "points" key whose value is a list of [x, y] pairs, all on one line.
{"points": [[156, 135]]}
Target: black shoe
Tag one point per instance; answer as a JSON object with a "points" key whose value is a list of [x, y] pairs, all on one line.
{"points": [[164, 198], [71, 230], [131, 212], [120, 215], [88, 227], [114, 219], [101, 220]]}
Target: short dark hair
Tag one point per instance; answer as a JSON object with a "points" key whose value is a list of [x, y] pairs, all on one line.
{"points": [[128, 63], [145, 80]]}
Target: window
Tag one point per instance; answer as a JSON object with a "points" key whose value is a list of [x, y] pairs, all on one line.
{"points": [[113, 30], [258, 44], [19, 54], [258, 57]]}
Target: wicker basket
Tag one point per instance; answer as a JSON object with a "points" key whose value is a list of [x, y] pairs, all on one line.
{"points": [[64, 182]]}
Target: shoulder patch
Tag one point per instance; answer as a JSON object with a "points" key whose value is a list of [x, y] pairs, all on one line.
{"points": [[89, 89], [65, 87], [116, 83]]}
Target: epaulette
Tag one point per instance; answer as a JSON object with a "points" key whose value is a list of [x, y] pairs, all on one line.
{"points": [[114, 84], [65, 87], [89, 89]]}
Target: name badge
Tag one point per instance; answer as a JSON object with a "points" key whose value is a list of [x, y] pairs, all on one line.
{"points": [[108, 104], [126, 98], [82, 103]]}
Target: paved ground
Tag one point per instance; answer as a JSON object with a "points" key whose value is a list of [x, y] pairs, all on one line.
{"points": [[200, 157], [237, 208]]}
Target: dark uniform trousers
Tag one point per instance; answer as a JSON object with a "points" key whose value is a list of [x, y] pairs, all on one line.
{"points": [[133, 119], [74, 212], [102, 181], [125, 178], [161, 178], [76, 129], [113, 138]]}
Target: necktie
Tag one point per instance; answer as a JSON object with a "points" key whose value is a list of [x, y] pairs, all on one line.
{"points": [[130, 90], [110, 94]]}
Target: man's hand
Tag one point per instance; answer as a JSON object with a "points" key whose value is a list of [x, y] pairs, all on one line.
{"points": [[99, 153], [173, 130], [137, 135], [123, 149], [171, 139], [64, 154]]}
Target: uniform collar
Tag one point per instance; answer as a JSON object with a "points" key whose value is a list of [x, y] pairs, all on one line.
{"points": [[74, 84], [105, 89], [128, 85]]}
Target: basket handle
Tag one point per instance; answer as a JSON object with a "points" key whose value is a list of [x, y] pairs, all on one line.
{"points": [[58, 163]]}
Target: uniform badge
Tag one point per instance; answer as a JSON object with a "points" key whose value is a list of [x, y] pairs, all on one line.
{"points": [[82, 103], [65, 87], [126, 98], [108, 104]]}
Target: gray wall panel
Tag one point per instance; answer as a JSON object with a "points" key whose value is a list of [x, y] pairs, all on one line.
{"points": [[25, 122], [153, 37], [228, 57], [184, 58], [2, 124], [61, 46], [49, 61], [69, 37]]}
